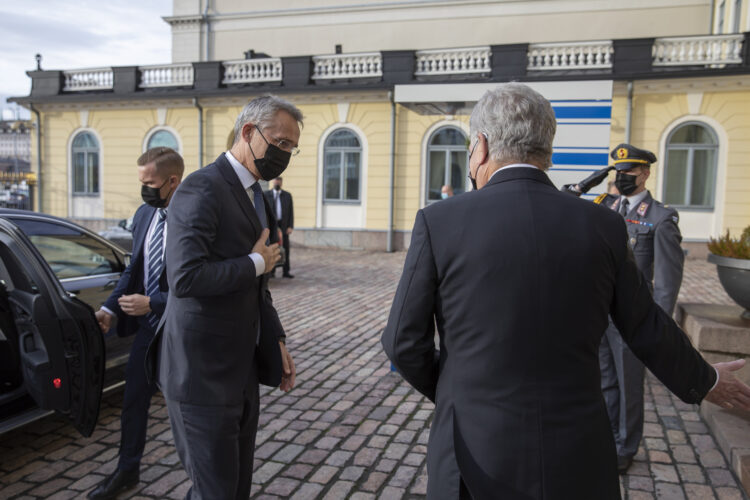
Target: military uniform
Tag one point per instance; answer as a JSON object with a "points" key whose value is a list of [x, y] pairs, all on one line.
{"points": [[655, 238]]}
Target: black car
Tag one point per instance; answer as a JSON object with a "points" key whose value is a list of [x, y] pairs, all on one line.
{"points": [[53, 356]]}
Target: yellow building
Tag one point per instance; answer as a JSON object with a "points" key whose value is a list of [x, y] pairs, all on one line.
{"points": [[386, 127]]}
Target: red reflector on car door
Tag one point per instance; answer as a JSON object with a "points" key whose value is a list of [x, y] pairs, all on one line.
{"points": [[57, 383]]}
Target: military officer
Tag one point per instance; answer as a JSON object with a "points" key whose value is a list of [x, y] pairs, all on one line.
{"points": [[655, 238]]}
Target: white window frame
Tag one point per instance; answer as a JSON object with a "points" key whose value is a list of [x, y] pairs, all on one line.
{"points": [[159, 128], [426, 139], [71, 190], [342, 150], [691, 148]]}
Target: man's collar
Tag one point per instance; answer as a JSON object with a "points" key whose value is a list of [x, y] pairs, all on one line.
{"points": [[246, 178], [513, 165], [636, 198]]}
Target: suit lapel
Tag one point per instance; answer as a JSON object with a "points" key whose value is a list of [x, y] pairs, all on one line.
{"points": [[238, 191]]}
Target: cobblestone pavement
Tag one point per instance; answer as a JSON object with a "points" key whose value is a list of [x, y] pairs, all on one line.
{"points": [[351, 428]]}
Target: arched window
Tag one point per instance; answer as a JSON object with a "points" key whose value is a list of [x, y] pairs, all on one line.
{"points": [[342, 167], [447, 160], [85, 162], [690, 173], [163, 138]]}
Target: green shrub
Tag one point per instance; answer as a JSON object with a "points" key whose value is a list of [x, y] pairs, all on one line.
{"points": [[729, 247]]}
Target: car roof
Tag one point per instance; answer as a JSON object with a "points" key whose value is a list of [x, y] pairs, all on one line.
{"points": [[13, 212]]}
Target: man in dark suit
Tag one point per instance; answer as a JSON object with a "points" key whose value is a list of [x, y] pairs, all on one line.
{"points": [[283, 209], [138, 302], [221, 333], [519, 279]]}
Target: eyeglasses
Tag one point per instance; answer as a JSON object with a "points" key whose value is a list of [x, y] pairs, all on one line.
{"points": [[468, 143], [282, 144]]}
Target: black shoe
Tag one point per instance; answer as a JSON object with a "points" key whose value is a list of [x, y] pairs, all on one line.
{"points": [[115, 484], [287, 275], [623, 464]]}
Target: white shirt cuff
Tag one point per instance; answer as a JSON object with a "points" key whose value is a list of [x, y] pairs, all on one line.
{"points": [[717, 379], [260, 264], [107, 310]]}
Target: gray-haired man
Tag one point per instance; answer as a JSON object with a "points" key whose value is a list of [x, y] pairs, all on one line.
{"points": [[221, 333], [520, 311]]}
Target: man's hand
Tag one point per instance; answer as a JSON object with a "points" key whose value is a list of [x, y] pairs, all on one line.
{"points": [[104, 319], [135, 305], [270, 253], [730, 392], [290, 372], [289, 231]]}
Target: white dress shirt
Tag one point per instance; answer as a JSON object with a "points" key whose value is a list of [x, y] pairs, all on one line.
{"points": [[247, 180]]}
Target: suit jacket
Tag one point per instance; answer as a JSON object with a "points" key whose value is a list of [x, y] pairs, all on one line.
{"points": [[519, 279], [287, 208], [655, 239], [216, 303], [132, 280]]}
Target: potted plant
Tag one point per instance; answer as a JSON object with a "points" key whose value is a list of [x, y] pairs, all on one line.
{"points": [[732, 259]]}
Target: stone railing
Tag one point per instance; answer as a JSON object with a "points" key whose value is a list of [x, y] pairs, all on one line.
{"points": [[573, 55], [252, 70], [166, 75], [453, 61], [365, 65], [698, 50], [78, 80]]}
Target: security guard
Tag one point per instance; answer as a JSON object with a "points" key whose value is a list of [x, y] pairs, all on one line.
{"points": [[655, 238]]}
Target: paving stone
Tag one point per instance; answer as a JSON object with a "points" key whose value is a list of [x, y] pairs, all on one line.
{"points": [[282, 486], [668, 491], [698, 492]]}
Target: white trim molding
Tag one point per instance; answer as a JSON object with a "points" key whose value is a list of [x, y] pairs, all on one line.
{"points": [[94, 203], [423, 153], [156, 129]]}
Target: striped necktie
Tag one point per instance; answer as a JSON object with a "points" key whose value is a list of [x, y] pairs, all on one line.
{"points": [[155, 249], [624, 207]]}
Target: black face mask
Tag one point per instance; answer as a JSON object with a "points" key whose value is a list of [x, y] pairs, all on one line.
{"points": [[277, 187], [473, 180], [625, 183], [273, 163], [152, 196]]}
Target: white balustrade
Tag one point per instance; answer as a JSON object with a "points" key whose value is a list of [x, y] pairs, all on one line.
{"points": [[252, 70], [167, 75], [698, 50], [78, 80], [453, 61], [365, 65], [570, 55]]}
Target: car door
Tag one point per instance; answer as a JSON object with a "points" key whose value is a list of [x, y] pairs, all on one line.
{"points": [[61, 349]]}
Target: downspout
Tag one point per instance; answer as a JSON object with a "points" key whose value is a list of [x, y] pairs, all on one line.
{"points": [[200, 131], [38, 157], [629, 112], [208, 28], [389, 245]]}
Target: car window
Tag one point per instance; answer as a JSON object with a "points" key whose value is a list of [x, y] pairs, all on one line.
{"points": [[70, 253]]}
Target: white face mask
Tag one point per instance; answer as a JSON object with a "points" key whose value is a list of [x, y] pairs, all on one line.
{"points": [[444, 196]]}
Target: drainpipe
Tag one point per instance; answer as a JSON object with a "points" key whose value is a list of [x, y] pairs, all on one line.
{"points": [[629, 112], [200, 131], [389, 245], [38, 157], [208, 28]]}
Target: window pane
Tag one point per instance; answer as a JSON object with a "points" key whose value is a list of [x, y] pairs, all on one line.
{"points": [[69, 253], [458, 171], [435, 174], [676, 177], [93, 172], [702, 187], [85, 140], [449, 136], [163, 138], [342, 139], [332, 176], [79, 172], [692, 134], [352, 176]]}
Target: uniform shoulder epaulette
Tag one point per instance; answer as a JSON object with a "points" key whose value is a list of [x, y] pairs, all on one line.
{"points": [[599, 199]]}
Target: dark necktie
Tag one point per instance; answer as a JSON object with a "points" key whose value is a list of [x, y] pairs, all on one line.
{"points": [[624, 207], [155, 249], [260, 207]]}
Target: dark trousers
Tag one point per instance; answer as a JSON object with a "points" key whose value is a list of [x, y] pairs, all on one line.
{"points": [[137, 399], [622, 387], [216, 445], [285, 245]]}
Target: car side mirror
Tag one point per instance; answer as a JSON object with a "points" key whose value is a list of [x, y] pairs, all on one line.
{"points": [[123, 223]]}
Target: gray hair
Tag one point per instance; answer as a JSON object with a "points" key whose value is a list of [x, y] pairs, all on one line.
{"points": [[519, 124], [261, 111]]}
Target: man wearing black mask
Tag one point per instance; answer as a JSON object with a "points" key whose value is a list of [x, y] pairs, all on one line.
{"points": [[282, 207], [654, 236], [138, 302]]}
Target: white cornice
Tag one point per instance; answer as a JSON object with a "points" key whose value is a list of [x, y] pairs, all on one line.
{"points": [[182, 21], [685, 85]]}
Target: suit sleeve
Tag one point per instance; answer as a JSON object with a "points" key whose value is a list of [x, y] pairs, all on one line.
{"points": [[122, 284], [158, 302], [193, 221], [669, 260], [653, 335], [291, 211], [408, 338]]}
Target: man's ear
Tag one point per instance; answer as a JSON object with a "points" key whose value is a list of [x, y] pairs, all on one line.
{"points": [[647, 172], [247, 129]]}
